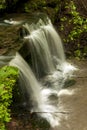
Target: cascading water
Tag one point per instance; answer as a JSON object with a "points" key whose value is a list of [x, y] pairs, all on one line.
{"points": [[39, 95], [46, 48], [27, 78], [41, 56], [50, 67], [54, 42]]}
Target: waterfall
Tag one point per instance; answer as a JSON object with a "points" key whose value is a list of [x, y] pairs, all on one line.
{"points": [[42, 84], [40, 52], [46, 49], [44, 100], [54, 42], [27, 78]]}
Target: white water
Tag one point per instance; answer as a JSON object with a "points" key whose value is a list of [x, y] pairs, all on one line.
{"points": [[46, 49], [41, 55], [28, 79], [40, 95], [54, 42]]}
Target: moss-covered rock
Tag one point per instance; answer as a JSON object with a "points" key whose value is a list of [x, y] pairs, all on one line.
{"points": [[8, 78]]}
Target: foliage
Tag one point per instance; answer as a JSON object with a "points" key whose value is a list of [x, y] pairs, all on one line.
{"points": [[80, 24], [77, 25], [7, 3], [2, 4], [50, 7], [8, 77], [34, 5]]}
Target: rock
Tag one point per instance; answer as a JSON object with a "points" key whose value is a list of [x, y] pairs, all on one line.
{"points": [[9, 39]]}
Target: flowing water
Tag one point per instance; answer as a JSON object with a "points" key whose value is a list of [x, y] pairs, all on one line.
{"points": [[50, 69], [44, 100], [41, 56], [46, 48]]}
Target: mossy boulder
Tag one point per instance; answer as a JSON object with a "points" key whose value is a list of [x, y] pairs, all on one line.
{"points": [[8, 78]]}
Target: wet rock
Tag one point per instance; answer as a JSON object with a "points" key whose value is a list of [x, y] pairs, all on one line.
{"points": [[11, 27], [10, 40]]}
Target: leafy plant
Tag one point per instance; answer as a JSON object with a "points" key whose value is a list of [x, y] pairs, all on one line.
{"points": [[80, 24], [8, 77], [76, 26], [35, 5], [2, 4]]}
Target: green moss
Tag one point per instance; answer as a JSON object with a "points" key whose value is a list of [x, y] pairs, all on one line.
{"points": [[8, 77]]}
